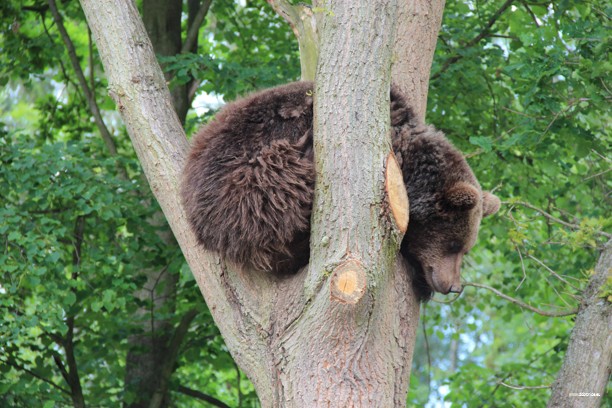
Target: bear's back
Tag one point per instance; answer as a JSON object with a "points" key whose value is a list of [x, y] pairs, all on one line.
{"points": [[252, 122]]}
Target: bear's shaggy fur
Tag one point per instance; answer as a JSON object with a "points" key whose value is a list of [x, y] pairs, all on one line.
{"points": [[248, 187]]}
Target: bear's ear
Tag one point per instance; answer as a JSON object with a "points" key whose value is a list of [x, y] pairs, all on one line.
{"points": [[461, 197], [490, 203]]}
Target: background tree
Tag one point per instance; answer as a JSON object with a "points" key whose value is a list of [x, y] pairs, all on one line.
{"points": [[519, 86]]}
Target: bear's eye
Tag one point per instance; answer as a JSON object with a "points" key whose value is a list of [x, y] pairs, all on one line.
{"points": [[455, 247]]}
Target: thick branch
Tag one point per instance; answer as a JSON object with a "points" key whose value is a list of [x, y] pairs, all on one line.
{"points": [[303, 22], [414, 48], [76, 65], [74, 381], [60, 365], [522, 304], [139, 89]]}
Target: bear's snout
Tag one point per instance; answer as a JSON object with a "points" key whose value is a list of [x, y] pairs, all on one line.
{"points": [[446, 274]]}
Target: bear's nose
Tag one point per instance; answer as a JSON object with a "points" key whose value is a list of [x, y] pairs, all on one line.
{"points": [[456, 289]]}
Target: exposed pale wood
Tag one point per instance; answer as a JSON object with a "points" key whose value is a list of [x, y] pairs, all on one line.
{"points": [[397, 194], [348, 282]]}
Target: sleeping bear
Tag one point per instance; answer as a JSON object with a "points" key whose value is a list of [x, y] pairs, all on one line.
{"points": [[248, 187]]}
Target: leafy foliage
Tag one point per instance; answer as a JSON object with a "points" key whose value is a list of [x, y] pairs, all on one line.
{"points": [[73, 237]]}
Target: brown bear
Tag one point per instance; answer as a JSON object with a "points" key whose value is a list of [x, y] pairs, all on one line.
{"points": [[248, 187]]}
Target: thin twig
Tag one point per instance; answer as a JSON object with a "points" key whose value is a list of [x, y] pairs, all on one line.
{"points": [[555, 274], [559, 295], [524, 387], [37, 376], [562, 111], [475, 40], [601, 173], [522, 304], [533, 16], [423, 319], [522, 267], [91, 100], [519, 113], [555, 219], [529, 363]]}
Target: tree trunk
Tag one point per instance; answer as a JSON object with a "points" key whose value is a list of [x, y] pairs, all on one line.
{"points": [[340, 333], [415, 44], [586, 369]]}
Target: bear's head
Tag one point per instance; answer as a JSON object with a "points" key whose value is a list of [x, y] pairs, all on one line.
{"points": [[446, 207], [436, 246]]}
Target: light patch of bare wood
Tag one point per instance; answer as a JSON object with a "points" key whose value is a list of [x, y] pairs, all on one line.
{"points": [[397, 194], [348, 282]]}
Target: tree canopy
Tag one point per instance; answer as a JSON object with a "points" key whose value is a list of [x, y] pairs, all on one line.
{"points": [[520, 87]]}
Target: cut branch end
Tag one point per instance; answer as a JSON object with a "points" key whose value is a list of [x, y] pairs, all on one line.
{"points": [[348, 282]]}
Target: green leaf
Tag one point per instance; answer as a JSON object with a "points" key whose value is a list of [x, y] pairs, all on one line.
{"points": [[483, 142]]}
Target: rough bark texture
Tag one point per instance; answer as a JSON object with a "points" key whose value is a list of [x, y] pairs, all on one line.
{"points": [[298, 346], [588, 360], [357, 357], [416, 37]]}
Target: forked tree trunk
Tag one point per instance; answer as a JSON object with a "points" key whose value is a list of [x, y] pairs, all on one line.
{"points": [[340, 333]]}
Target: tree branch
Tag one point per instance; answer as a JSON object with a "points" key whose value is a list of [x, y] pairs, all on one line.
{"points": [[423, 320], [171, 355], [302, 21], [37, 376], [555, 219], [286, 10], [91, 100], [555, 274], [533, 16], [201, 396], [522, 304], [194, 27], [483, 33], [73, 373], [60, 365], [139, 89], [524, 387]]}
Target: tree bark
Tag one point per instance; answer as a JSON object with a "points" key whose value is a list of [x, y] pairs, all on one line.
{"points": [[415, 44], [586, 369], [302, 340]]}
